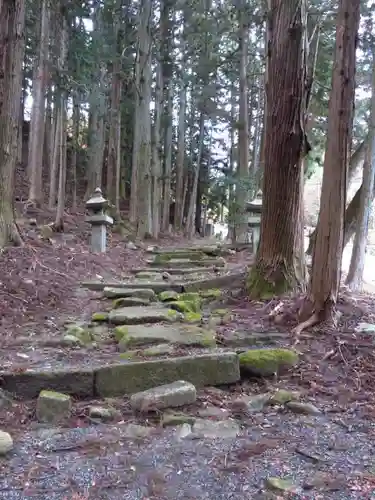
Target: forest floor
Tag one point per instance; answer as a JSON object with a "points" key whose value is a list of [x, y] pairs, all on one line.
{"points": [[325, 452]]}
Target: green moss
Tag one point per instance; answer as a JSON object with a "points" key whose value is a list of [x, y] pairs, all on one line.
{"points": [[120, 332], [161, 258], [129, 355], [184, 306], [220, 312], [99, 317], [173, 315], [213, 293], [82, 334], [168, 295], [282, 396], [192, 317], [264, 283], [54, 395], [267, 362]]}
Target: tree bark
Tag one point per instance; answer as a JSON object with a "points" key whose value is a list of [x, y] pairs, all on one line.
{"points": [[38, 109], [352, 210], [278, 266], [355, 274], [326, 261], [242, 184], [12, 25]]}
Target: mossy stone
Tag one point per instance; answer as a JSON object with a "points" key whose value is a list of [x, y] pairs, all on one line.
{"points": [[82, 334], [168, 295], [192, 317], [267, 362], [170, 419], [220, 312], [130, 302], [173, 315], [280, 485], [212, 293], [183, 306], [120, 332], [161, 258], [282, 396], [99, 317]]}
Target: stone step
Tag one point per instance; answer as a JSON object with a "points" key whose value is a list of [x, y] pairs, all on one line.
{"points": [[230, 279], [186, 263], [171, 270], [141, 315], [124, 377]]}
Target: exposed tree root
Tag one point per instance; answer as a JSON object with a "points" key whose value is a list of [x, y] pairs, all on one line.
{"points": [[311, 321]]}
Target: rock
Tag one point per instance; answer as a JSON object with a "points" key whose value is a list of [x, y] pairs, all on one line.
{"points": [[193, 317], [6, 443], [213, 429], [282, 396], [139, 315], [280, 485], [144, 275], [133, 376], [247, 339], [130, 302], [168, 296], [5, 400], [135, 431], [184, 431], [72, 341], [142, 293], [53, 407], [82, 334], [28, 384], [302, 408], [172, 395], [172, 419], [267, 362], [212, 293], [158, 350], [99, 317], [101, 413], [131, 246], [365, 328], [213, 412], [254, 403], [141, 335]]}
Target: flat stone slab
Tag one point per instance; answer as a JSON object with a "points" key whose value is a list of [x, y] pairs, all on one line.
{"points": [[173, 271], [234, 279], [117, 293], [137, 336], [30, 383], [173, 395], [201, 370], [157, 287], [186, 263], [139, 315]]}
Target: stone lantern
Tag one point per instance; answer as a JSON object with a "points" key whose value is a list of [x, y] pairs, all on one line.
{"points": [[254, 209], [99, 221]]}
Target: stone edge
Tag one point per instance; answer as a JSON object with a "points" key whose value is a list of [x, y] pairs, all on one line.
{"points": [[85, 382]]}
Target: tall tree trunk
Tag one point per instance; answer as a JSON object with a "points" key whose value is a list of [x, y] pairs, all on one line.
{"points": [[60, 140], [180, 161], [143, 123], [157, 150], [75, 124], [326, 261], [357, 263], [115, 111], [231, 170], [37, 122], [12, 22], [190, 222], [166, 33], [278, 265], [242, 184], [352, 210]]}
